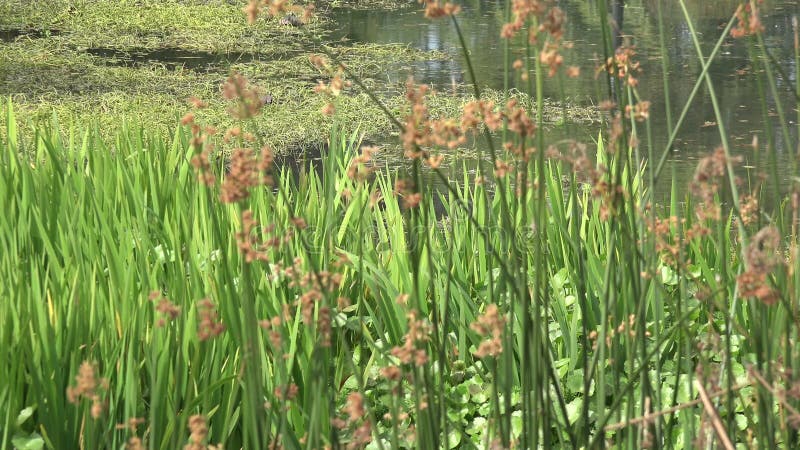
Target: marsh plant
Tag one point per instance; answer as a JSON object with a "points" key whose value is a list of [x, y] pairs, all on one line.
{"points": [[170, 295]]}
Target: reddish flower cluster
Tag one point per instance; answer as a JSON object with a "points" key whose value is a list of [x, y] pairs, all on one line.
{"points": [[334, 87], [134, 442], [518, 120], [522, 10], [434, 9], [749, 208], [200, 143], [87, 386], [314, 287], [251, 245], [356, 421], [479, 112], [247, 171], [666, 244], [275, 334], [275, 7], [575, 155], [416, 130], [640, 111], [551, 22], [202, 165], [413, 349], [198, 430], [198, 433], [490, 326], [249, 99], [420, 132], [706, 182], [551, 57], [761, 258], [748, 22], [209, 326], [623, 65], [167, 309], [405, 190], [358, 170], [288, 392]]}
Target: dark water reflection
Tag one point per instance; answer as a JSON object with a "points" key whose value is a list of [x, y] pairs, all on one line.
{"points": [[174, 58], [732, 71]]}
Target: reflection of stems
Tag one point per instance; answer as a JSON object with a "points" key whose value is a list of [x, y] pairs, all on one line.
{"points": [[703, 73], [665, 67], [796, 78], [723, 134], [770, 76]]}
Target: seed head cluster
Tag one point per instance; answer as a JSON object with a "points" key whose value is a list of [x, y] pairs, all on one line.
{"points": [[490, 326], [246, 172], [274, 8], [355, 421], [208, 326], [706, 183], [413, 351], [748, 22], [333, 88], [623, 65], [250, 244], [435, 9], [421, 133], [198, 434], [248, 99], [522, 11], [274, 327], [168, 310], [359, 169], [201, 143], [89, 387], [762, 258]]}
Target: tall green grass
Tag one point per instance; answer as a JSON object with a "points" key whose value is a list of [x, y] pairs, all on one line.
{"points": [[93, 228]]}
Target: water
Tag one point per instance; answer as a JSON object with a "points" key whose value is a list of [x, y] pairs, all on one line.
{"points": [[174, 58], [11, 35], [481, 22], [731, 72]]}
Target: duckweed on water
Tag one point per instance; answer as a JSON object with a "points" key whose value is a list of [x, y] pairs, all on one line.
{"points": [[215, 25], [108, 62]]}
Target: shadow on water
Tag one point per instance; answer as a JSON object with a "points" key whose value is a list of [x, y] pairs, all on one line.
{"points": [[13, 34], [175, 58], [301, 162]]}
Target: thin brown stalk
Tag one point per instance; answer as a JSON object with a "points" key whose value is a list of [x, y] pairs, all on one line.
{"points": [[649, 417], [716, 422], [775, 393]]}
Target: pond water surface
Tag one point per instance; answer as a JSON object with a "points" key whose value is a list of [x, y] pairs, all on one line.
{"points": [[732, 72], [481, 21]]}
